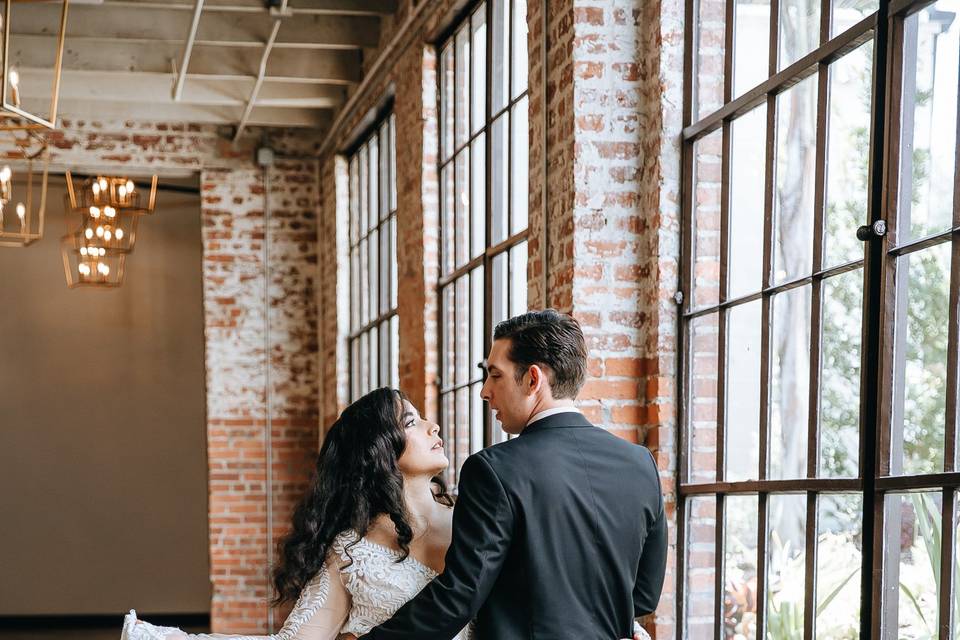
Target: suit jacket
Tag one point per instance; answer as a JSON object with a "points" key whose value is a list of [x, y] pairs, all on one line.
{"points": [[559, 533]]}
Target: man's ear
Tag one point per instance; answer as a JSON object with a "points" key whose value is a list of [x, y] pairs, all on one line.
{"points": [[536, 378]]}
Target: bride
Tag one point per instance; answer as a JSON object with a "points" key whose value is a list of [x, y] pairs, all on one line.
{"points": [[369, 534]]}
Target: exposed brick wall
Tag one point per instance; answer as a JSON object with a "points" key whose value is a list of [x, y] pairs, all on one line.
{"points": [[235, 306]]}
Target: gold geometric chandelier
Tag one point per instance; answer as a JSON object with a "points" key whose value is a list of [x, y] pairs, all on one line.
{"points": [[23, 188], [103, 214]]}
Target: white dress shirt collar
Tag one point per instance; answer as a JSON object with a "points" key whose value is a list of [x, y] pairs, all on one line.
{"points": [[551, 412]]}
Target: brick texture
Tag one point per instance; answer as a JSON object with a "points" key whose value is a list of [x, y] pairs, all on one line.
{"points": [[237, 301]]}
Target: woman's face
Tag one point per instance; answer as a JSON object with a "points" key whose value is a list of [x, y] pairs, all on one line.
{"points": [[423, 454]]}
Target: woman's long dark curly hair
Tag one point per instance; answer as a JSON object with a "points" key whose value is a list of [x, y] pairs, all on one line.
{"points": [[356, 480]]}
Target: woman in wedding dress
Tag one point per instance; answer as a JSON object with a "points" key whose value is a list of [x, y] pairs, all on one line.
{"points": [[370, 533]]}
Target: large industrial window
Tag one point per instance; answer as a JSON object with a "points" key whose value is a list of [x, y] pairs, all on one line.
{"points": [[821, 259], [483, 223], [374, 324]]}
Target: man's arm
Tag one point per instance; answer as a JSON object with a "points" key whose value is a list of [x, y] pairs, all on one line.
{"points": [[482, 529], [653, 559]]}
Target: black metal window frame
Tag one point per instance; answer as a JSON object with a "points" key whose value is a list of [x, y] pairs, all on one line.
{"points": [[877, 441], [373, 340], [476, 279]]}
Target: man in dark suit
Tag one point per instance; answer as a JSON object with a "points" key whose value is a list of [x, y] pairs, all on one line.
{"points": [[559, 533]]}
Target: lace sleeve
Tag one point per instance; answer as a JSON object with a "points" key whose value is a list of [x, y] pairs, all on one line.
{"points": [[319, 614]]}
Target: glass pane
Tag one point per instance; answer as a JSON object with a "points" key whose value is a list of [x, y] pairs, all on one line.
{"points": [[374, 274], [839, 549], [518, 279], [462, 94], [374, 201], [462, 333], [848, 154], [463, 425], [478, 109], [519, 165], [912, 561], [751, 48], [847, 13], [374, 366], [462, 230], [447, 84], [393, 261], [709, 53], [841, 320], [500, 75], [364, 369], [706, 220], [364, 284], [354, 289], [447, 421], [476, 418], [354, 201], [793, 200], [478, 217], [742, 415], [355, 369], [799, 30], [477, 352], [498, 308], [786, 560], [385, 153], [395, 356], [701, 568], [519, 47], [364, 168], [447, 224], [920, 357], [498, 183], [447, 361], [740, 568], [386, 268], [745, 254], [393, 163], [928, 121], [790, 388], [702, 414]]}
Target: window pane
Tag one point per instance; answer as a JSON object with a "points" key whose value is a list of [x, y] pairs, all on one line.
{"points": [[363, 363], [462, 93], [519, 166], [477, 353], [449, 337], [518, 279], [476, 418], [462, 228], [462, 333], [706, 220], [385, 152], [447, 84], [848, 154], [841, 319], [355, 289], [920, 356], [478, 108], [478, 217], [374, 290], [374, 201], [498, 183], [364, 169], [393, 261], [447, 422], [702, 414], [701, 568], [499, 302], [786, 559], [393, 162], [793, 201], [928, 121], [386, 268], [447, 224], [742, 416], [395, 357], [355, 389], [751, 44], [799, 30], [519, 47], [847, 13], [463, 425], [745, 254], [363, 283], [709, 53], [386, 351], [839, 548], [740, 568], [790, 392], [500, 74], [354, 201], [911, 560], [374, 365]]}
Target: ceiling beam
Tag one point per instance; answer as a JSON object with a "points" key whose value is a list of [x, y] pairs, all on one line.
{"points": [[316, 7]]}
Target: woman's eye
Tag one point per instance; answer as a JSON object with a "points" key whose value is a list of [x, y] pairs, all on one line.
{"points": [[410, 424]]}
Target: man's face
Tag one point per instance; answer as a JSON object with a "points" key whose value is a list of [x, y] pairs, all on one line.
{"points": [[511, 402]]}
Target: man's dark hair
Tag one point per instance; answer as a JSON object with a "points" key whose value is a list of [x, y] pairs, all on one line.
{"points": [[547, 338]]}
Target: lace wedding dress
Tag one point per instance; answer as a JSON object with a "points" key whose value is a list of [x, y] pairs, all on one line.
{"points": [[360, 585]]}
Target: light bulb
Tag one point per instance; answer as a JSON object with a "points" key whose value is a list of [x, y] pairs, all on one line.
{"points": [[84, 269], [14, 77], [130, 187], [99, 232], [88, 233], [110, 211], [83, 251], [103, 251], [104, 269], [123, 191], [107, 235], [119, 234], [103, 184], [94, 212], [5, 174], [96, 188], [21, 210]]}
